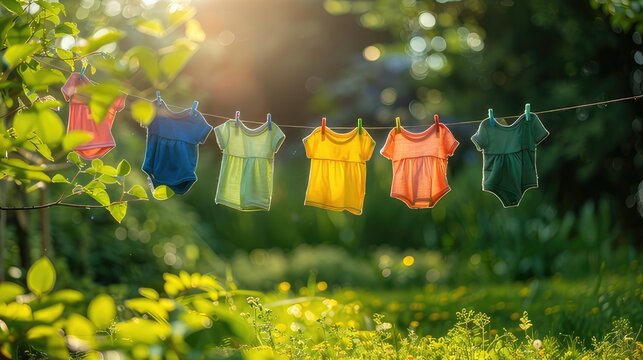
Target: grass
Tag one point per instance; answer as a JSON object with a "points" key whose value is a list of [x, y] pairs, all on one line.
{"points": [[197, 316]]}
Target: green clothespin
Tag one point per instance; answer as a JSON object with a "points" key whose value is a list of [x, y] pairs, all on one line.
{"points": [[397, 124], [492, 120], [359, 125], [527, 111]]}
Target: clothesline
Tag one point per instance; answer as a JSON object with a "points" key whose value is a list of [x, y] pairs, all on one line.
{"points": [[222, 117]]}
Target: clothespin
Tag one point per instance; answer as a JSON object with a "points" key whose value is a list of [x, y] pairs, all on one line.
{"points": [[397, 124], [269, 119], [82, 72], [492, 120], [195, 104], [158, 98], [527, 111], [436, 118], [237, 115], [359, 125], [323, 126]]}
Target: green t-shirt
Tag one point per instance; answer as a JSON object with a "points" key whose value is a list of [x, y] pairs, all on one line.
{"points": [[509, 157], [245, 181]]}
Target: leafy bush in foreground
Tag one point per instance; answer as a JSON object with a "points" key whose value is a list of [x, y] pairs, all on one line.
{"points": [[201, 318]]}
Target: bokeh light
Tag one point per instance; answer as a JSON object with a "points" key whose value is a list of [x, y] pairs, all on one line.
{"points": [[427, 20], [388, 96], [418, 44], [371, 53], [408, 260]]}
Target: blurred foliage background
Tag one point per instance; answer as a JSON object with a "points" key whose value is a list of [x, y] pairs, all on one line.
{"points": [[376, 59]]}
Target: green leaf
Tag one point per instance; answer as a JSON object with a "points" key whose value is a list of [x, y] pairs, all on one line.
{"points": [[41, 277], [75, 138], [97, 164], [20, 164], [176, 57], [47, 102], [25, 175], [40, 146], [108, 170], [123, 168], [9, 291], [142, 331], [67, 56], [152, 27], [83, 330], [64, 54], [118, 210], [147, 306], [44, 122], [12, 5], [194, 31], [162, 192], [102, 96], [95, 184], [102, 311], [16, 54], [67, 28], [41, 79], [107, 179], [143, 111], [180, 16], [42, 331], [100, 195], [49, 314], [18, 311], [147, 59], [59, 179], [75, 159], [149, 293], [138, 191], [66, 296], [100, 39]]}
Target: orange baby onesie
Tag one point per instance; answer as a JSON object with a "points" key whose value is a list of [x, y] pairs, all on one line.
{"points": [[420, 164], [80, 118]]}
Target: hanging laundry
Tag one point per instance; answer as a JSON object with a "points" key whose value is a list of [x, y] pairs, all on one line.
{"points": [[172, 148], [337, 179], [420, 164], [247, 166], [509, 156], [80, 118]]}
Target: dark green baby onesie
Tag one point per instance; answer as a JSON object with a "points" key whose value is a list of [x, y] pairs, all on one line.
{"points": [[509, 157]]}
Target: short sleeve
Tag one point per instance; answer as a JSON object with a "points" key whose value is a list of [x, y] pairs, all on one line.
{"points": [[368, 145], [222, 133], [538, 131], [277, 138], [449, 143], [389, 146], [203, 129], [310, 142], [69, 88], [119, 103], [480, 138]]}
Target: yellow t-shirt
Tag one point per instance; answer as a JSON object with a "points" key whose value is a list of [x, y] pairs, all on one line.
{"points": [[337, 179]]}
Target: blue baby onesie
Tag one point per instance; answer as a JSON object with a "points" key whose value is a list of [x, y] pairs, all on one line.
{"points": [[172, 149]]}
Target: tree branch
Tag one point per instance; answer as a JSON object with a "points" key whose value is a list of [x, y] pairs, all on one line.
{"points": [[64, 204]]}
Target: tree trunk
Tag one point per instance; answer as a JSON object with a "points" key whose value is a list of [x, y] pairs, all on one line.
{"points": [[22, 232], [3, 228], [45, 228]]}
